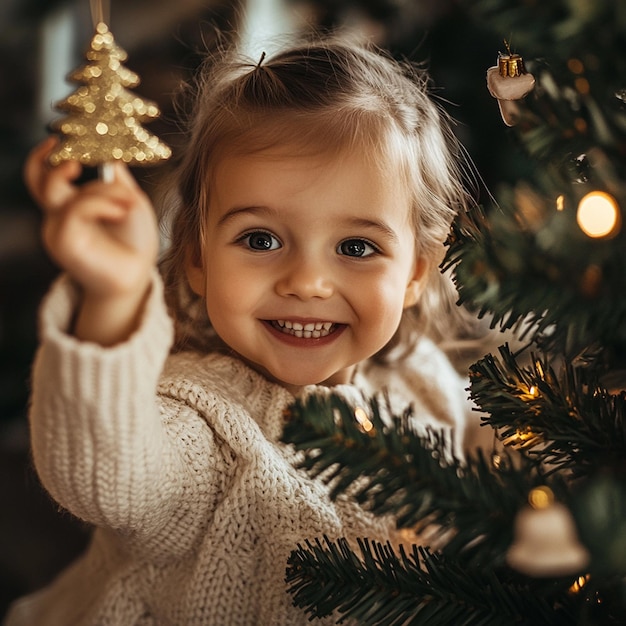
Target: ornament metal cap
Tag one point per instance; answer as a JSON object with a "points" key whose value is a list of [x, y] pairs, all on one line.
{"points": [[511, 65]]}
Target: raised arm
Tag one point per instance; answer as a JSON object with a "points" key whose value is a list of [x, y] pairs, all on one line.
{"points": [[101, 444]]}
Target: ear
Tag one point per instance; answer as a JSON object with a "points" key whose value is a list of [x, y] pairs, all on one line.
{"points": [[416, 284], [195, 271]]}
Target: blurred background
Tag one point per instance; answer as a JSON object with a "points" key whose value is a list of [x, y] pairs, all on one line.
{"points": [[42, 40]]}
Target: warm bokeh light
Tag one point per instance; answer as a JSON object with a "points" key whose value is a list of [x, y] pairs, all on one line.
{"points": [[576, 66], [541, 497], [598, 214]]}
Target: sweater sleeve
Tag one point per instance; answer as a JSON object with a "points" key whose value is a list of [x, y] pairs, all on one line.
{"points": [[98, 440]]}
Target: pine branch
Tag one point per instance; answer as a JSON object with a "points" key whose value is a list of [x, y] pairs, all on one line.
{"points": [[569, 421], [530, 261], [380, 587], [390, 469], [530, 274]]}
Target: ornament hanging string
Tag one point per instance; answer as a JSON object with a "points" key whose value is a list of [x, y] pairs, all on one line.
{"points": [[100, 11]]}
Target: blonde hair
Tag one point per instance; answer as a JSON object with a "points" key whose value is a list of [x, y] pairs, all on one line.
{"points": [[324, 95]]}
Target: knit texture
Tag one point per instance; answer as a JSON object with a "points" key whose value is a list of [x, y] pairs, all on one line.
{"points": [[195, 502]]}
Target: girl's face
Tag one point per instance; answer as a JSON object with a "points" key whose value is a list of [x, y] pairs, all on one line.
{"points": [[307, 263]]}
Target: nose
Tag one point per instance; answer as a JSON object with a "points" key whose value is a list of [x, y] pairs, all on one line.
{"points": [[305, 278]]}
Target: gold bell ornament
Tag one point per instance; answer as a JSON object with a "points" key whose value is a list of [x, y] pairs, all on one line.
{"points": [[507, 82], [103, 118], [546, 542]]}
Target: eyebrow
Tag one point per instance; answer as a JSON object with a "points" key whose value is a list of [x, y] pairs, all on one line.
{"points": [[235, 211], [385, 230], [357, 222]]}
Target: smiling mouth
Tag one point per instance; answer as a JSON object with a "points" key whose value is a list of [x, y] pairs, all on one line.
{"points": [[311, 330]]}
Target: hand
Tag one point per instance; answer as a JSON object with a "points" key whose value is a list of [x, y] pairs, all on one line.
{"points": [[104, 235]]}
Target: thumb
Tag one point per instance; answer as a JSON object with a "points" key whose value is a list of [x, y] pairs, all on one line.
{"points": [[120, 173], [126, 183]]}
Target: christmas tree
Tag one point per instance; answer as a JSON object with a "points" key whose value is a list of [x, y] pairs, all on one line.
{"points": [[103, 121], [535, 531]]}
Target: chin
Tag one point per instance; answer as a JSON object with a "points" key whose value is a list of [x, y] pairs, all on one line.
{"points": [[287, 379], [327, 379], [298, 382]]}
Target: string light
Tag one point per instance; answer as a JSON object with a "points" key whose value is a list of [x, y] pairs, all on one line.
{"points": [[579, 583], [522, 439], [364, 422], [541, 497], [560, 202], [528, 392], [598, 214], [539, 369]]}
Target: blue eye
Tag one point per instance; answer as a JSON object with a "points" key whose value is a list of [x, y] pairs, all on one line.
{"points": [[356, 248], [260, 240]]}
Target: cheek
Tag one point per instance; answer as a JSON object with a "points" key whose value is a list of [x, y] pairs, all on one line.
{"points": [[381, 303], [234, 290], [224, 289]]}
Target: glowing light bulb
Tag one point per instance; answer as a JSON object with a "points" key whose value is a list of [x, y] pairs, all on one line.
{"points": [[560, 202], [598, 214], [541, 497], [579, 583], [364, 421]]}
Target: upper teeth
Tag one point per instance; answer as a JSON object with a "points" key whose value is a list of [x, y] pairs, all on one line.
{"points": [[312, 329]]}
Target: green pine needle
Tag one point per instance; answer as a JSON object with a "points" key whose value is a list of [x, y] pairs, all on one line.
{"points": [[573, 422], [566, 288], [378, 586], [390, 469]]}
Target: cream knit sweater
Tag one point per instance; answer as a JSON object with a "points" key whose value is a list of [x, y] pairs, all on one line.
{"points": [[195, 503]]}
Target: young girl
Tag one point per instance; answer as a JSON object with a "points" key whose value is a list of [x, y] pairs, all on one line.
{"points": [[313, 200]]}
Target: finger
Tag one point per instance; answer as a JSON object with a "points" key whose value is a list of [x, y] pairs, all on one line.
{"points": [[34, 165], [125, 179], [123, 175], [44, 147], [58, 188], [114, 193], [65, 231], [50, 186], [123, 188], [94, 208]]}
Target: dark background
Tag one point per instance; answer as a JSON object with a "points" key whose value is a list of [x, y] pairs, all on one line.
{"points": [[165, 42]]}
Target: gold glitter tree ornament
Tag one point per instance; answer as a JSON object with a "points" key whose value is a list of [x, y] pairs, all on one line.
{"points": [[103, 121]]}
